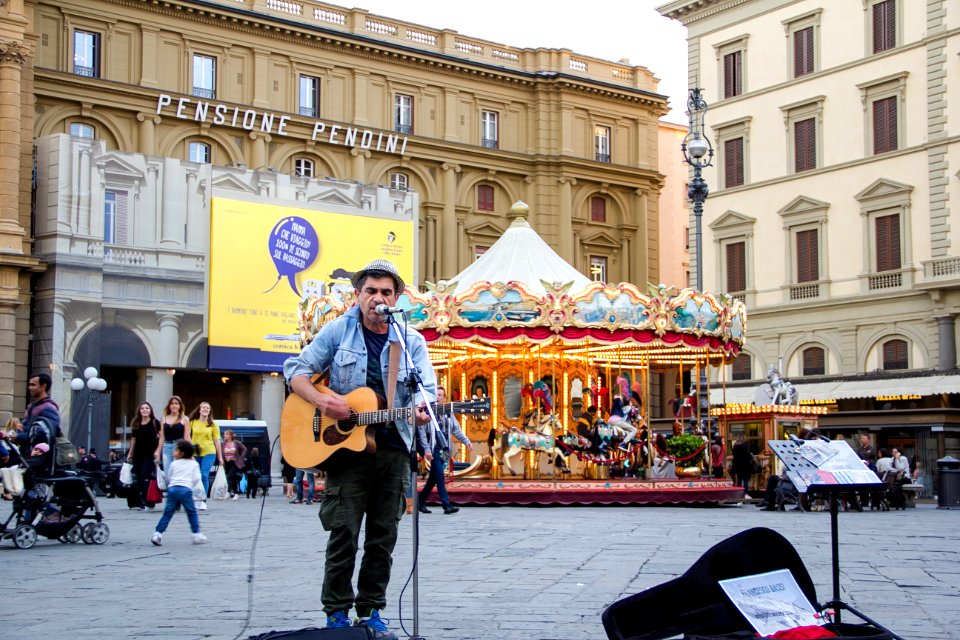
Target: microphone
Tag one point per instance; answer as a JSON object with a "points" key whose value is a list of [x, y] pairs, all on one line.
{"points": [[384, 310]]}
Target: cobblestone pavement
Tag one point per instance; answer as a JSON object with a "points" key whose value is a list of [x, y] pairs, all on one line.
{"points": [[487, 573]]}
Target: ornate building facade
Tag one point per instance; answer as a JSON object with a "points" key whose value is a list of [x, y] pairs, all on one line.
{"points": [[317, 95], [834, 198]]}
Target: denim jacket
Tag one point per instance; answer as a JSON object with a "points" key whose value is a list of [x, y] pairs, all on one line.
{"points": [[339, 347]]}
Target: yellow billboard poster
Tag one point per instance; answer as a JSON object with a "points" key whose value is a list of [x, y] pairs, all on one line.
{"points": [[265, 257]]}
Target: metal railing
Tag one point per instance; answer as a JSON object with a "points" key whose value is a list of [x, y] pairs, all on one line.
{"points": [[201, 92]]}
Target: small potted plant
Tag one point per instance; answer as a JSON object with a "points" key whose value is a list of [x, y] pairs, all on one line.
{"points": [[687, 451]]}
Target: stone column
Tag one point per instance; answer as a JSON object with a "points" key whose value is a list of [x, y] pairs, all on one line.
{"points": [[448, 223], [566, 218], [83, 200], [358, 163], [266, 403], [169, 353], [194, 208], [147, 121], [430, 250], [12, 56], [172, 206], [156, 386], [147, 231], [258, 156], [947, 341]]}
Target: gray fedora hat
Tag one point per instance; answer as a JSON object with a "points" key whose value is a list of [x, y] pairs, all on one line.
{"points": [[384, 266]]}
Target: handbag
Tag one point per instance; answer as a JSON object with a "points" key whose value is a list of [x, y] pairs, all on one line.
{"points": [[153, 492], [126, 474], [161, 479], [65, 453], [264, 482], [218, 490]]}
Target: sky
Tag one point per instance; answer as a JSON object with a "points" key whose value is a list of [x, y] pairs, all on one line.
{"points": [[606, 29]]}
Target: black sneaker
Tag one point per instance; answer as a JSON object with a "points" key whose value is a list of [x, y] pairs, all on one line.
{"points": [[450, 509], [378, 625], [296, 501], [423, 509]]}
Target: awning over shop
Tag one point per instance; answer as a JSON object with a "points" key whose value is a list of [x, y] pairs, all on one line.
{"points": [[893, 388]]}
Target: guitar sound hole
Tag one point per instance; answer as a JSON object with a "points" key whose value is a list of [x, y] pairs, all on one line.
{"points": [[337, 432]]}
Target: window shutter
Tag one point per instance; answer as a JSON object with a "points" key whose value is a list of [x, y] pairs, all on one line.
{"points": [[805, 144], [888, 242], [884, 26], [121, 218], [733, 162], [808, 254], [885, 125], [895, 354], [742, 367], [802, 52], [736, 267], [813, 361], [598, 209], [731, 75], [485, 197]]}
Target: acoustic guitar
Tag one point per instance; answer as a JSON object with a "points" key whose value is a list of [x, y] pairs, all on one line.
{"points": [[308, 438]]}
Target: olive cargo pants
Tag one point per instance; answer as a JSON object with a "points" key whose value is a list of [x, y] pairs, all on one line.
{"points": [[362, 485]]}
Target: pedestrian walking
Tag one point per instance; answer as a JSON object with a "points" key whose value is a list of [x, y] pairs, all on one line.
{"points": [[182, 476], [174, 426], [205, 435], [234, 460], [143, 448]]}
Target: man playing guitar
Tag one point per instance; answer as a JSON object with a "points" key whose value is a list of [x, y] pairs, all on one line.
{"points": [[354, 350]]}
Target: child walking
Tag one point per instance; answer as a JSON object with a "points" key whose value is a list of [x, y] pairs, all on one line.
{"points": [[182, 476]]}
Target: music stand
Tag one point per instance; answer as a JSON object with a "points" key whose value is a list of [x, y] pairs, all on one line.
{"points": [[828, 468]]}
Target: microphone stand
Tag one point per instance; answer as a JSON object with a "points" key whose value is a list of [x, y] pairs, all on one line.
{"points": [[414, 385]]}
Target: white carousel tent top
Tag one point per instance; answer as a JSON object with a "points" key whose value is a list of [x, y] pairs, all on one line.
{"points": [[520, 255]]}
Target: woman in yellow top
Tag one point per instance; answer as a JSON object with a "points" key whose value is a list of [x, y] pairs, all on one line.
{"points": [[205, 435]]}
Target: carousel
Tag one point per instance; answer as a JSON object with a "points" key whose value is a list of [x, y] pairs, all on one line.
{"points": [[544, 343]]}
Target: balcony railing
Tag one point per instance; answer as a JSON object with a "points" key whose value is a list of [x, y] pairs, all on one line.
{"points": [[201, 92], [942, 269], [888, 280], [804, 291], [489, 143], [89, 72], [403, 128], [603, 157], [310, 112]]}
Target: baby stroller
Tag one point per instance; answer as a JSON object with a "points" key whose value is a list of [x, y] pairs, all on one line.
{"points": [[50, 505], [695, 606]]}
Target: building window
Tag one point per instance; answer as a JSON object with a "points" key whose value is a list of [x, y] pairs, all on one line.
{"points": [[479, 250], [895, 354], [805, 145], [601, 143], [86, 53], [309, 96], [887, 235], [885, 125], [598, 268], [731, 66], [115, 217], [399, 181], [736, 266], [743, 367], [489, 135], [884, 16], [484, 197], [813, 361], [198, 152], [733, 74], [598, 209], [808, 256], [733, 162], [803, 52], [303, 167], [204, 76], [80, 130], [403, 113]]}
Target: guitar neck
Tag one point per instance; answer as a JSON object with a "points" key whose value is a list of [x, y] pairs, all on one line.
{"points": [[399, 413]]}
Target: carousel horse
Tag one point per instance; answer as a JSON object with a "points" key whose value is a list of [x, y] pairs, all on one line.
{"points": [[537, 435]]}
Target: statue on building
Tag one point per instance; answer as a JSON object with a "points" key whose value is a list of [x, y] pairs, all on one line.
{"points": [[776, 390]]}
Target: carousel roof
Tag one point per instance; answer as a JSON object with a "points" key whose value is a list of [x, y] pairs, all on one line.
{"points": [[520, 255]]}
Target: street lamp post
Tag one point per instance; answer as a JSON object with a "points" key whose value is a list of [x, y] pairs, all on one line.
{"points": [[698, 153], [92, 383]]}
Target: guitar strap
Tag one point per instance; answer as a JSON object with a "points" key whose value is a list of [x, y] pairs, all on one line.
{"points": [[392, 371]]}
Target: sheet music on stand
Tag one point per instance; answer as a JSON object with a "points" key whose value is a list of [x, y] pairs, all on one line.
{"points": [[821, 465]]}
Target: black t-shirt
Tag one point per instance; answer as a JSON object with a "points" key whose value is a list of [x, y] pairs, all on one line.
{"points": [[146, 440], [387, 434]]}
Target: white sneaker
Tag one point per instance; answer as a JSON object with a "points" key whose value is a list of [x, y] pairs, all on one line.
{"points": [[236, 496], [199, 538], [157, 538], [202, 505]]}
